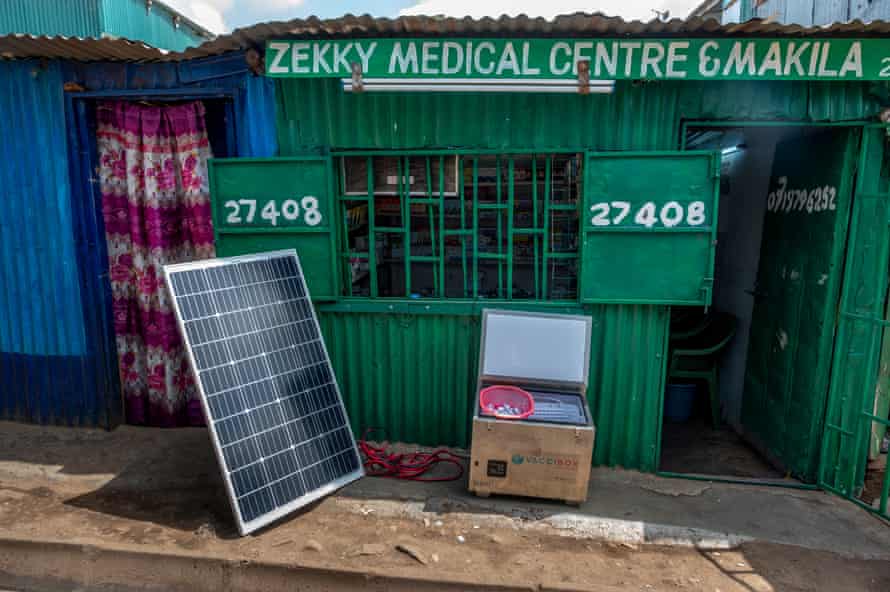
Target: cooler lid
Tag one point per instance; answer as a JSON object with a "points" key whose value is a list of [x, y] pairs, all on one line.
{"points": [[537, 347]]}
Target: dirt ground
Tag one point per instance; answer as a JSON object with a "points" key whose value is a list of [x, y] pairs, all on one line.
{"points": [[874, 482], [104, 494]]}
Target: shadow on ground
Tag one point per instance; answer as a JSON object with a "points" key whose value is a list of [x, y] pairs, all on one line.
{"points": [[177, 485], [165, 477], [171, 478], [767, 568], [654, 509]]}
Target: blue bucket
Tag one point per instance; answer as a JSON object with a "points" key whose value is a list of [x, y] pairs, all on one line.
{"points": [[678, 401]]}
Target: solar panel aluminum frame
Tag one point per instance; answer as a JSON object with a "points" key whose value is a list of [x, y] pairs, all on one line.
{"points": [[245, 528]]}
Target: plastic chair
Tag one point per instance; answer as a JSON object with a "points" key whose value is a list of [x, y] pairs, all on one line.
{"points": [[687, 322], [696, 355]]}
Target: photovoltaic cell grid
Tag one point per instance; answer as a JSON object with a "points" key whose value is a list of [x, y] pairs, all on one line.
{"points": [[281, 430]]}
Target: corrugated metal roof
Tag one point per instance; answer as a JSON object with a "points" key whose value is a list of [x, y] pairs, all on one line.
{"points": [[20, 46], [570, 25], [351, 26]]}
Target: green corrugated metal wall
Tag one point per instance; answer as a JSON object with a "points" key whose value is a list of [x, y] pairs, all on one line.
{"points": [[626, 383], [316, 113], [415, 374], [412, 374]]}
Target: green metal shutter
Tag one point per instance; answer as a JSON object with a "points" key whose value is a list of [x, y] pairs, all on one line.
{"points": [[849, 416], [649, 226], [796, 296], [268, 204]]}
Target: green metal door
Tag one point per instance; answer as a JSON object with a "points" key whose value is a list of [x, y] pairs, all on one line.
{"points": [[881, 407], [850, 413], [795, 297], [649, 226], [267, 204]]}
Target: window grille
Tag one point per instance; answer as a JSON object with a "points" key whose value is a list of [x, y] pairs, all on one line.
{"points": [[464, 226]]}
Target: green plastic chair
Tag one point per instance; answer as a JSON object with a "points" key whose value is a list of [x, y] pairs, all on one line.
{"points": [[687, 321], [696, 355]]}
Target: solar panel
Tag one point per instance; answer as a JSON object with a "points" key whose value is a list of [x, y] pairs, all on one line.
{"points": [[269, 394]]}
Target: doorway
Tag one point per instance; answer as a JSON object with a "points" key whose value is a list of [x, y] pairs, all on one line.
{"points": [[759, 381], [138, 168]]}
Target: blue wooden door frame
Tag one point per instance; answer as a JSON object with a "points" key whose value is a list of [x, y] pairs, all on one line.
{"points": [[89, 229]]}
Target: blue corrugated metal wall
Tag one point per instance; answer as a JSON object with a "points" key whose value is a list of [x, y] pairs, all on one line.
{"points": [[94, 18], [42, 335], [129, 18], [817, 12], [36, 221], [72, 18], [57, 355]]}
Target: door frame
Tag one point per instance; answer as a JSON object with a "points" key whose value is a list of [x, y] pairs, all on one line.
{"points": [[86, 204], [681, 141]]}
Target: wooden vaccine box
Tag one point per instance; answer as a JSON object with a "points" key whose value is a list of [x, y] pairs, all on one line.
{"points": [[547, 455]]}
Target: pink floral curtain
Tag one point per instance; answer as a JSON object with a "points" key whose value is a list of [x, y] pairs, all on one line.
{"points": [[155, 202]]}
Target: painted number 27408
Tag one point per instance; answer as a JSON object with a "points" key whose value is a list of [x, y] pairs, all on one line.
{"points": [[244, 211], [670, 214]]}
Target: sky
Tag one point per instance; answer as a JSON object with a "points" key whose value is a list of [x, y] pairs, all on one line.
{"points": [[221, 16]]}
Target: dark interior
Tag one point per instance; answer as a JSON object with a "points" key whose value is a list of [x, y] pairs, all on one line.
{"points": [[774, 284]]}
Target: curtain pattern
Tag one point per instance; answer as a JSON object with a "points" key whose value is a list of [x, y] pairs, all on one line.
{"points": [[156, 207]]}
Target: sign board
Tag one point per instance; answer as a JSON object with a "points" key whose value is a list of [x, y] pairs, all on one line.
{"points": [[613, 59]]}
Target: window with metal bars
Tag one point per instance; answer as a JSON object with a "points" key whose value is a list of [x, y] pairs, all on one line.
{"points": [[462, 226]]}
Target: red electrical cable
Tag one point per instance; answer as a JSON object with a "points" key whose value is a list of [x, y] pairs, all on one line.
{"points": [[411, 466]]}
